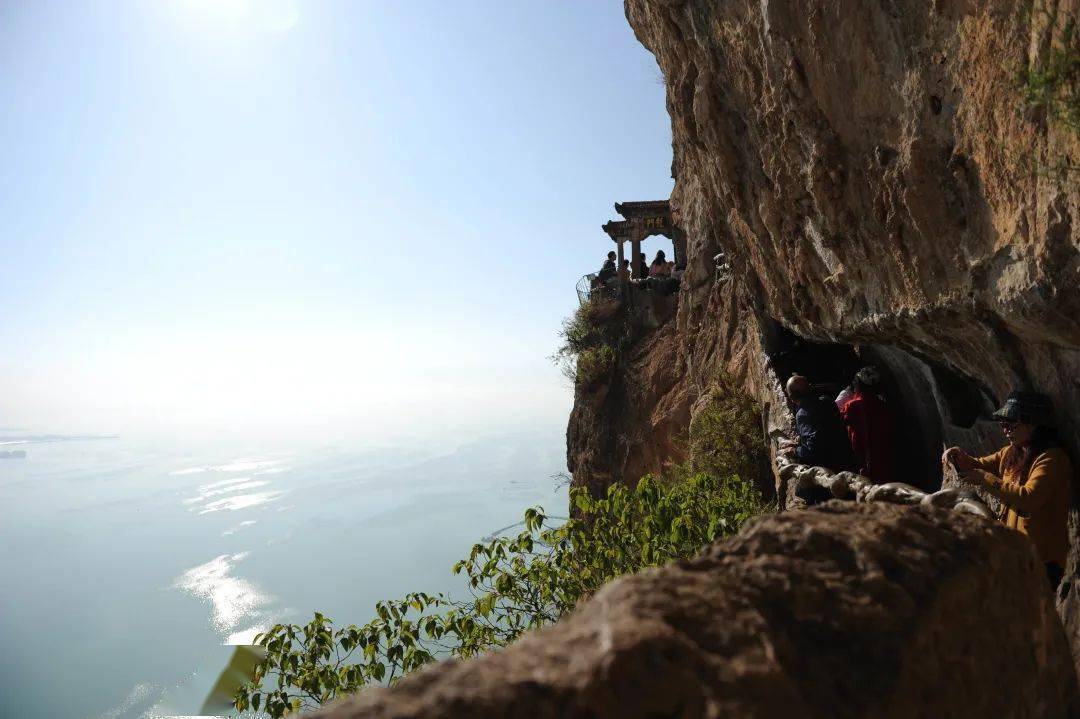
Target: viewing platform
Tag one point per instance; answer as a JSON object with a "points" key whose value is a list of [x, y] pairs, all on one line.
{"points": [[648, 291], [641, 220]]}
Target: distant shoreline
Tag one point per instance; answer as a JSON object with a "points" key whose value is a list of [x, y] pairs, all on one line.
{"points": [[50, 438]]}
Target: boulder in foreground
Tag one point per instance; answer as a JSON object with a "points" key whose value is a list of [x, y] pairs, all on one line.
{"points": [[844, 610]]}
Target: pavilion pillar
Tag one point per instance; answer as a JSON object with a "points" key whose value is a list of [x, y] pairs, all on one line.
{"points": [[620, 244], [679, 243], [635, 251]]}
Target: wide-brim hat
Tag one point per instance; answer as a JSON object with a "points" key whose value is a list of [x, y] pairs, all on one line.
{"points": [[1027, 407]]}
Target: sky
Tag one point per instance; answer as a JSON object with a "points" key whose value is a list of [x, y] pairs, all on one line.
{"points": [[358, 219]]}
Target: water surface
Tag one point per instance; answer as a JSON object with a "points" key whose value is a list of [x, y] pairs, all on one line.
{"points": [[128, 568]]}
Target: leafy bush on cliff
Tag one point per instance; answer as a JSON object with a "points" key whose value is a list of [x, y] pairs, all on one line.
{"points": [[592, 339], [1052, 86], [594, 364], [516, 584], [725, 436]]}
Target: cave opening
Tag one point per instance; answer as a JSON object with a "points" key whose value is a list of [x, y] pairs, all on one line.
{"points": [[829, 366], [930, 402], [965, 401]]}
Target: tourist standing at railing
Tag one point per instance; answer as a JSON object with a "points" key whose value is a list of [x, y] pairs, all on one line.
{"points": [[823, 441], [608, 270], [1031, 476], [624, 271], [642, 270], [870, 428], [660, 266]]}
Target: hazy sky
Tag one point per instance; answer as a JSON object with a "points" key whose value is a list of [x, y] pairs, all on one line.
{"points": [[287, 216]]}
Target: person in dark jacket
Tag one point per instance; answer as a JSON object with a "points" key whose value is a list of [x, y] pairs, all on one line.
{"points": [[823, 441], [608, 270], [870, 428]]}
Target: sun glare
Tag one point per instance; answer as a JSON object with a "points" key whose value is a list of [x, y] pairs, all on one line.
{"points": [[275, 16]]}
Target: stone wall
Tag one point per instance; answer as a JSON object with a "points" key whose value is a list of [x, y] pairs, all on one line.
{"points": [[840, 611]]}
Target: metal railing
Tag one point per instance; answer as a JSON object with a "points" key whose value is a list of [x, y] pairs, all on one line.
{"points": [[588, 288], [585, 286]]}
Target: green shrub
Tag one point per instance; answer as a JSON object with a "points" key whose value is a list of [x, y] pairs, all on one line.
{"points": [[586, 327], [516, 584], [1052, 86], [592, 339], [594, 364], [725, 436]]}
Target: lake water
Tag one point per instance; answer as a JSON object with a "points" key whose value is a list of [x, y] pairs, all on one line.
{"points": [[127, 568]]}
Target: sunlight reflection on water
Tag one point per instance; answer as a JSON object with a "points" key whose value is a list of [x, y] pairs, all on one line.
{"points": [[232, 598], [205, 492], [218, 542], [237, 465], [233, 530], [228, 491], [241, 501]]}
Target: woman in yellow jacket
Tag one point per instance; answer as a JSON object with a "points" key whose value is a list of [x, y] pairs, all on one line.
{"points": [[1030, 475]]}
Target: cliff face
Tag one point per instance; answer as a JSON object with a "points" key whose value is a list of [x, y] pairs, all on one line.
{"points": [[627, 424], [842, 611], [860, 163], [866, 167]]}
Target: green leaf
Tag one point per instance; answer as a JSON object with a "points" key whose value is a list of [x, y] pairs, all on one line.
{"points": [[519, 583]]}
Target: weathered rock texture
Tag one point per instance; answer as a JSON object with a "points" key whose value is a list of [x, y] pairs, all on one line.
{"points": [[637, 422], [862, 165], [866, 167], [841, 611], [629, 424]]}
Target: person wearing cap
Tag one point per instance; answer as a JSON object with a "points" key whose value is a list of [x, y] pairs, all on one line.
{"points": [[1030, 475], [822, 439], [870, 428]]}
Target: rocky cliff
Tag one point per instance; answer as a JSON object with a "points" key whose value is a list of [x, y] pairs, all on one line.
{"points": [[867, 170], [876, 183], [842, 611]]}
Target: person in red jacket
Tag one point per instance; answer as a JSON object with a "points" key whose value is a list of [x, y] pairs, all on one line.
{"points": [[870, 428]]}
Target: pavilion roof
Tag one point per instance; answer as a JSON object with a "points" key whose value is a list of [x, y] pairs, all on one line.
{"points": [[617, 228], [630, 210]]}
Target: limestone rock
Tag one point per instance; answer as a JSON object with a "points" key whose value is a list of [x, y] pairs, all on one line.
{"points": [[839, 611], [627, 426], [866, 170], [859, 165]]}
